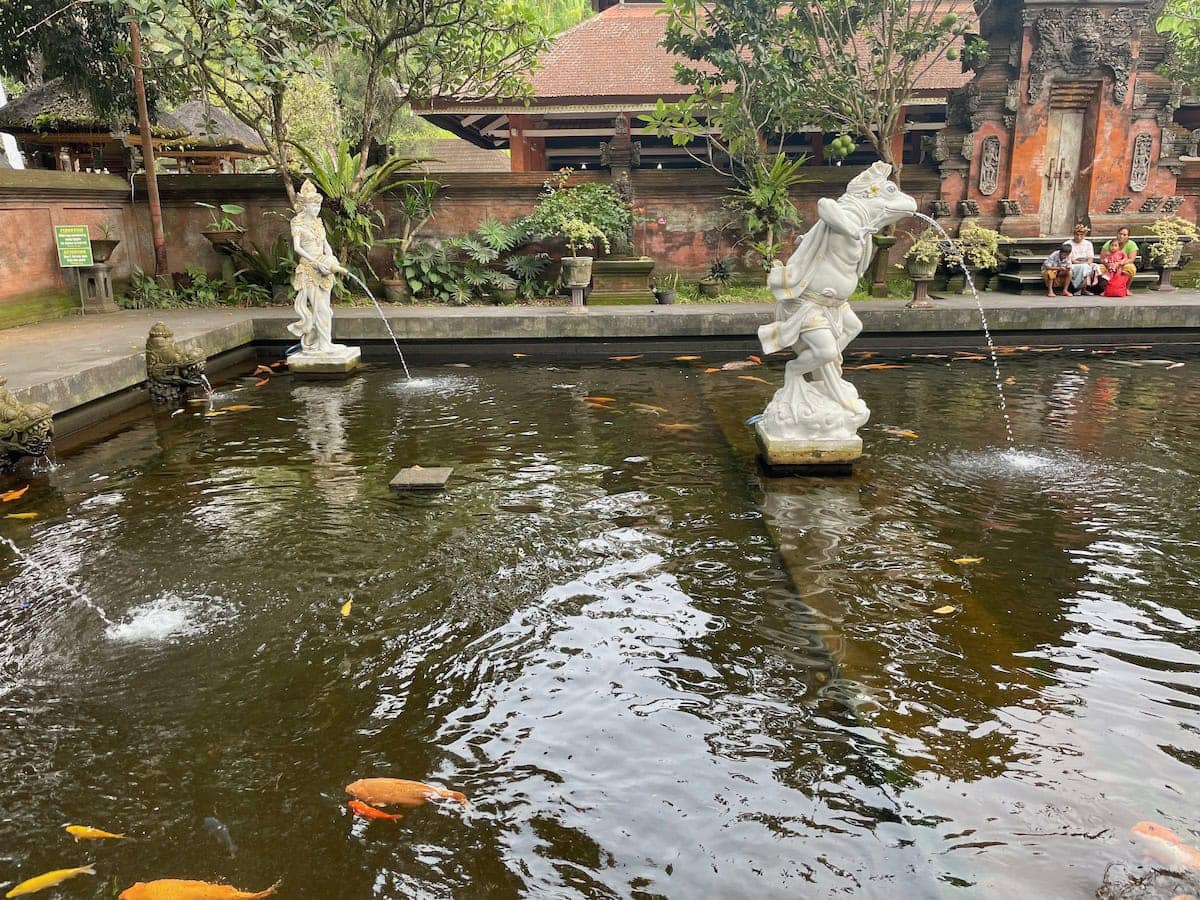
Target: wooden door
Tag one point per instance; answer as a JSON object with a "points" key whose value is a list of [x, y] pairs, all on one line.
{"points": [[1064, 140]]}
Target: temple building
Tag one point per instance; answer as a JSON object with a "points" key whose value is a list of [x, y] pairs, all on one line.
{"points": [[1066, 118], [56, 128]]}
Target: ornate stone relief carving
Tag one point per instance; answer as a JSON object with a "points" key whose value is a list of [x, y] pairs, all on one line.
{"points": [[1166, 144], [1194, 142], [1012, 97], [939, 209], [1081, 40], [1139, 169], [968, 208], [1010, 207], [1118, 206], [1172, 206], [989, 165], [1151, 205], [968, 145]]}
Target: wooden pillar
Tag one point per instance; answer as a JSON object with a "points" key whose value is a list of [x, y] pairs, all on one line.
{"points": [[526, 154], [897, 147], [817, 143]]}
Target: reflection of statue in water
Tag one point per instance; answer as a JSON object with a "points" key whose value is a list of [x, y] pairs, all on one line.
{"points": [[323, 425], [813, 316], [316, 267]]}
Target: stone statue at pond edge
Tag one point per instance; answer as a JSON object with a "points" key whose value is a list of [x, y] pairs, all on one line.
{"points": [[26, 429], [170, 369], [316, 268], [814, 418]]}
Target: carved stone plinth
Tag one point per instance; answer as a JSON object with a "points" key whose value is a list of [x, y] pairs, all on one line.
{"points": [[831, 456], [920, 297], [338, 360]]}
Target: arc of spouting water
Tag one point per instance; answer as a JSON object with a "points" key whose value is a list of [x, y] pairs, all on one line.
{"points": [[386, 324]]}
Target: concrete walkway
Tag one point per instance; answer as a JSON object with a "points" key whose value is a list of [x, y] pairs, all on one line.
{"points": [[71, 362]]}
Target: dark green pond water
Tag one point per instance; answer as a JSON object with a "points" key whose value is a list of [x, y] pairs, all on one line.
{"points": [[653, 672]]}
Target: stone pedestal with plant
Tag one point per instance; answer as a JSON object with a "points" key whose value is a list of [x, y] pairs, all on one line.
{"points": [[976, 252], [1170, 234], [920, 263]]}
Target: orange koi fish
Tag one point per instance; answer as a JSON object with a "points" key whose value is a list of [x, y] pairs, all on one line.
{"points": [[625, 358], [13, 495], [1083, 367], [262, 370], [877, 367], [398, 792], [676, 426], [603, 406], [964, 357], [262, 383], [685, 358], [900, 432], [369, 812], [754, 359], [1166, 846], [754, 378], [710, 370], [87, 833], [865, 353], [600, 399], [239, 407], [178, 889]]}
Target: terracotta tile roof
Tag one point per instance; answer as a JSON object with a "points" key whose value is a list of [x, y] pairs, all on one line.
{"points": [[617, 54], [457, 155]]}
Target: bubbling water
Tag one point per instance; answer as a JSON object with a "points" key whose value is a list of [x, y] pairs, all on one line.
{"points": [[987, 333]]}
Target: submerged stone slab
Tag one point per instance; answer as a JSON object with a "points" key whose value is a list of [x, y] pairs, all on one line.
{"points": [[338, 361], [807, 457], [418, 478]]}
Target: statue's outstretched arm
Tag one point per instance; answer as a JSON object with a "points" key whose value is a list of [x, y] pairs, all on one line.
{"points": [[835, 217]]}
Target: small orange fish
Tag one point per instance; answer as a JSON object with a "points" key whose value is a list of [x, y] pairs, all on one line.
{"points": [[600, 399], [754, 378], [239, 407], [625, 358], [262, 383], [13, 495], [754, 359], [1083, 367], [710, 370], [1166, 846], [901, 432], [178, 889], [963, 357], [398, 792], [865, 353], [263, 370], [603, 406], [369, 812], [875, 367], [676, 426], [278, 363], [929, 356], [685, 358], [1010, 380]]}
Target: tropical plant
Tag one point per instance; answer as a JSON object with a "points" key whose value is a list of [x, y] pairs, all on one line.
{"points": [[720, 271], [976, 247], [1169, 232], [459, 270], [198, 289], [926, 248], [765, 206], [267, 267], [665, 281], [582, 217], [351, 218], [222, 216]]}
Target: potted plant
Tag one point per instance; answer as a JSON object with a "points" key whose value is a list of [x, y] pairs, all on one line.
{"points": [[665, 287], [719, 274], [223, 231], [923, 255], [583, 217], [1171, 233], [102, 248], [417, 200], [976, 249]]}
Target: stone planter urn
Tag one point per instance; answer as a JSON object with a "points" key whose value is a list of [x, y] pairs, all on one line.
{"points": [[710, 287], [396, 289], [226, 243], [920, 270], [102, 249], [1166, 265], [576, 271], [665, 298]]}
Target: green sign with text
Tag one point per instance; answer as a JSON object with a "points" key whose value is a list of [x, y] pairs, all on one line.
{"points": [[74, 245]]}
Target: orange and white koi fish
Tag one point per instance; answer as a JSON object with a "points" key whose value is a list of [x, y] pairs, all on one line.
{"points": [[48, 880], [739, 364], [262, 370], [398, 792], [178, 889], [649, 408], [369, 812], [87, 833], [755, 359], [1166, 846], [900, 432]]}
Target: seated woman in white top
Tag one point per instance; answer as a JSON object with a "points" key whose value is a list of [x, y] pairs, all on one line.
{"points": [[1083, 262]]}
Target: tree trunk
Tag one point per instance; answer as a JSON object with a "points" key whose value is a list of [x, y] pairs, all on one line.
{"points": [[279, 132], [364, 144], [139, 88]]}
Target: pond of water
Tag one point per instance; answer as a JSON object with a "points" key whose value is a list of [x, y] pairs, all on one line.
{"points": [[653, 672]]}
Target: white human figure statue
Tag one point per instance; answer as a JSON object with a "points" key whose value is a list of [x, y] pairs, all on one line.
{"points": [[316, 269], [816, 406]]}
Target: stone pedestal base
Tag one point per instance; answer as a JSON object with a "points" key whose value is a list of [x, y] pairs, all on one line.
{"points": [[95, 289], [341, 360], [807, 457]]}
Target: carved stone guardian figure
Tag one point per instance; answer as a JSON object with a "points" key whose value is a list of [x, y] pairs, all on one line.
{"points": [[26, 429], [813, 420], [316, 269], [171, 370]]}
